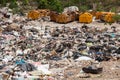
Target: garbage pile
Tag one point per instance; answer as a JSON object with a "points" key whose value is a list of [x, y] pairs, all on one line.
{"points": [[28, 51]]}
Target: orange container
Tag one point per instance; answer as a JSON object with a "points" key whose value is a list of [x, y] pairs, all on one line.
{"points": [[85, 18]]}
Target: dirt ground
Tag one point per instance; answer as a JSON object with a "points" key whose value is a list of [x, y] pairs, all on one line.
{"points": [[73, 71], [77, 24]]}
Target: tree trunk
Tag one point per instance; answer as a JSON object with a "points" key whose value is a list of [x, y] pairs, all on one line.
{"points": [[94, 5]]}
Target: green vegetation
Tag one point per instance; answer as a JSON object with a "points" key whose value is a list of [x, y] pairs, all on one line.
{"points": [[84, 8], [116, 18], [58, 5], [50, 4]]}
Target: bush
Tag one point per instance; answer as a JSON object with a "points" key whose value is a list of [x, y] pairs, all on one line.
{"points": [[55, 5], [116, 18], [84, 8], [3, 2], [50, 4]]}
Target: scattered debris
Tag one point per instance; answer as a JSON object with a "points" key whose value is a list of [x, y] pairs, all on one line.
{"points": [[31, 50], [92, 69]]}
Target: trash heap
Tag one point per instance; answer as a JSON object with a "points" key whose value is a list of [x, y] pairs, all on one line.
{"points": [[30, 51]]}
